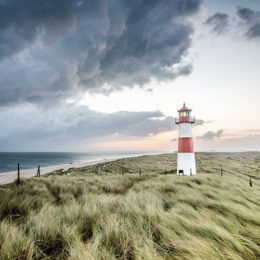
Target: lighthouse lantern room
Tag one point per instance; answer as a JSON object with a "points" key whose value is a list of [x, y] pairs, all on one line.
{"points": [[186, 158]]}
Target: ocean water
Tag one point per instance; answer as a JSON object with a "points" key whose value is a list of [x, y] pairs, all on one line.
{"points": [[30, 160]]}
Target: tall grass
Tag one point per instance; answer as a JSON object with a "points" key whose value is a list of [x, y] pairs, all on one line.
{"points": [[90, 214]]}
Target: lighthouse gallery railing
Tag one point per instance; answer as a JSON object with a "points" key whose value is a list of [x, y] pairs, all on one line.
{"points": [[185, 120]]}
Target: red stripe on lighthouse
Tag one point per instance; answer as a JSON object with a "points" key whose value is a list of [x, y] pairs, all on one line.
{"points": [[185, 145]]}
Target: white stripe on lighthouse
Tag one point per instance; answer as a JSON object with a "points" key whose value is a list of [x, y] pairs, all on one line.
{"points": [[185, 130], [186, 163]]}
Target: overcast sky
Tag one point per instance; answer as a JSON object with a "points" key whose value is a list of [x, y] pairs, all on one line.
{"points": [[95, 75]]}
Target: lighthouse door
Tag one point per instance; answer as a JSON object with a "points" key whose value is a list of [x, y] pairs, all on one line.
{"points": [[180, 172]]}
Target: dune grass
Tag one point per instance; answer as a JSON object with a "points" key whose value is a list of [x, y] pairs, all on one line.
{"points": [[136, 208]]}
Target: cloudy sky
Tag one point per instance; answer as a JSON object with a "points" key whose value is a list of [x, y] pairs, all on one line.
{"points": [[95, 75]]}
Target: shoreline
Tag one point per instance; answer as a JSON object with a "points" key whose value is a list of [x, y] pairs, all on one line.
{"points": [[9, 177]]}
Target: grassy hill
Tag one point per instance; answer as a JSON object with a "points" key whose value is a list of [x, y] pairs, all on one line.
{"points": [[136, 208]]}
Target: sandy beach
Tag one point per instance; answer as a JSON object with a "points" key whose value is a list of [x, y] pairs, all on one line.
{"points": [[8, 177]]}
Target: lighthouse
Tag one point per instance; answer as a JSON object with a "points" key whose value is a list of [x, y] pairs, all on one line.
{"points": [[186, 158]]}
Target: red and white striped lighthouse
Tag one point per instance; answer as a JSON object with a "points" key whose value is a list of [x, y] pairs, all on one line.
{"points": [[186, 159]]}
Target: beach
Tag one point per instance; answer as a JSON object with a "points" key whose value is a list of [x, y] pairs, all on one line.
{"points": [[8, 177]]}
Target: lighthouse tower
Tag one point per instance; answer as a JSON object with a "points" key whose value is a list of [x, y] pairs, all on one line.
{"points": [[186, 158]]}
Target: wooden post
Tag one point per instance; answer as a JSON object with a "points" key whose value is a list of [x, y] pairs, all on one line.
{"points": [[18, 174], [250, 183], [221, 171], [38, 172], [140, 172]]}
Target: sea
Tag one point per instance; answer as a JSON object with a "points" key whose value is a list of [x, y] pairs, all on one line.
{"points": [[30, 160]]}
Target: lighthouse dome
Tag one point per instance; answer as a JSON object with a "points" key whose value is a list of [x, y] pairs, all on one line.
{"points": [[184, 108]]}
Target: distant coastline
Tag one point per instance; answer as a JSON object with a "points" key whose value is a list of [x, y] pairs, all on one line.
{"points": [[31, 160], [11, 176], [8, 177]]}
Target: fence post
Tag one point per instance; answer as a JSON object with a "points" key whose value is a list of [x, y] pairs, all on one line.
{"points": [[38, 171], [18, 174], [221, 171], [250, 183]]}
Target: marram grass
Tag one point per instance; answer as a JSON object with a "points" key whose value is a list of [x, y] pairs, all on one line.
{"points": [[98, 213]]}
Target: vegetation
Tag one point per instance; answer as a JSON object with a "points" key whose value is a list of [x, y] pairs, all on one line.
{"points": [[136, 208]]}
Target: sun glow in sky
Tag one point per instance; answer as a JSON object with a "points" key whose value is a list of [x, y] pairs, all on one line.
{"points": [[78, 84]]}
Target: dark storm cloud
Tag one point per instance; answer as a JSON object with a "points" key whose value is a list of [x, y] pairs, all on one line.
{"points": [[251, 20], [38, 128], [30, 127], [211, 135], [53, 49], [218, 22]]}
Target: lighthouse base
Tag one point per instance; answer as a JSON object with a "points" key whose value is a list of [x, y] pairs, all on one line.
{"points": [[186, 164]]}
